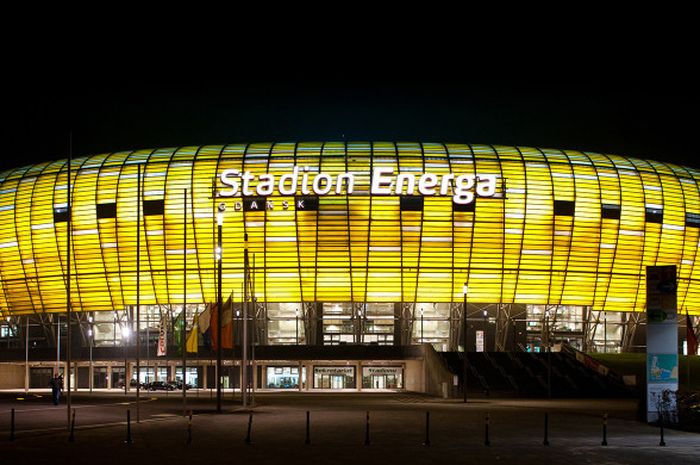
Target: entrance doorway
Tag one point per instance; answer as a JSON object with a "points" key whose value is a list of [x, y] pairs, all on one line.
{"points": [[340, 377], [382, 377]]}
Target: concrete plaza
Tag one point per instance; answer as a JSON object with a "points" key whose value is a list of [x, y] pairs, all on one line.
{"points": [[397, 430]]}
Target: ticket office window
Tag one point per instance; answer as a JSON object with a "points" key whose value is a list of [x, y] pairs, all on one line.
{"points": [[382, 378], [334, 377]]}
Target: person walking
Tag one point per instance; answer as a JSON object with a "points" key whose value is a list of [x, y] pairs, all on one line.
{"points": [[56, 385]]}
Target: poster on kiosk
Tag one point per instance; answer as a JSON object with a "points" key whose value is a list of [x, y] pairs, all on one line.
{"points": [[662, 343]]}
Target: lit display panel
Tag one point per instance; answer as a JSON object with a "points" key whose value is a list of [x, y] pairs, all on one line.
{"points": [[564, 227]]}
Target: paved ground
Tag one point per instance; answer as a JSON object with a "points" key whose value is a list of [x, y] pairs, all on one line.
{"points": [[397, 431]]}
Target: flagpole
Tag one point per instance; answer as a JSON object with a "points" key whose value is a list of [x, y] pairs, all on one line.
{"points": [[138, 298], [184, 305], [69, 313], [688, 330], [253, 333]]}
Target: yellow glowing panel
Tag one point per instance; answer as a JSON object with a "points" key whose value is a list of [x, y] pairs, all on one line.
{"points": [[511, 248]]}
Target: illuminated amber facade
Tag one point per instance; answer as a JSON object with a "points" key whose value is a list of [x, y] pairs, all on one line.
{"points": [[565, 227]]}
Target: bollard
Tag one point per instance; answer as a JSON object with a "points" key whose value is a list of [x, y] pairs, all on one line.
{"points": [[546, 430], [662, 443], [12, 425], [189, 429], [71, 436], [308, 430], [128, 427], [367, 430], [486, 431], [605, 430], [250, 426], [427, 429]]}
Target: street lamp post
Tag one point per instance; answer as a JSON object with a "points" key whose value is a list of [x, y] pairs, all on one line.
{"points": [[219, 303], [549, 356], [464, 330]]}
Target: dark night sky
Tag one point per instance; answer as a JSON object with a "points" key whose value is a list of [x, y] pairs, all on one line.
{"points": [[650, 118]]}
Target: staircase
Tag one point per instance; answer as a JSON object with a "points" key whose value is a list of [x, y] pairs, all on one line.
{"points": [[524, 374]]}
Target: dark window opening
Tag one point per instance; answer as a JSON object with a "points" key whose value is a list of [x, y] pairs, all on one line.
{"points": [[153, 207], [306, 203], [60, 214], [410, 203], [106, 210], [610, 211], [653, 215], [564, 208], [692, 219], [464, 207]]}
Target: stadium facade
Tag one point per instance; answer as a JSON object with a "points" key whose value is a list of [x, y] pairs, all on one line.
{"points": [[348, 244]]}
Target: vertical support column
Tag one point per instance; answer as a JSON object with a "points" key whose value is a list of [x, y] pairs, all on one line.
{"points": [[26, 357], [309, 376], [358, 375], [398, 323], [301, 378]]}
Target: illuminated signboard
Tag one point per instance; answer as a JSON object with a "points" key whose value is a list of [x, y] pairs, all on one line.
{"points": [[461, 187]]}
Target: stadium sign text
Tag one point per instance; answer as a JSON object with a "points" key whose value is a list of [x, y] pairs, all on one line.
{"points": [[463, 188]]}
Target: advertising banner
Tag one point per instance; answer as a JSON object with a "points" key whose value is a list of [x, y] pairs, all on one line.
{"points": [[162, 339], [662, 343]]}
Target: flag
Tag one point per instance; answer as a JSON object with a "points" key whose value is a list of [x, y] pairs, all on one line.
{"points": [[690, 335], [213, 330], [179, 331], [192, 341], [226, 326], [205, 319], [162, 338]]}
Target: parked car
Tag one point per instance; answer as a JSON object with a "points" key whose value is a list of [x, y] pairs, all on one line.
{"points": [[159, 386], [178, 385], [133, 383]]}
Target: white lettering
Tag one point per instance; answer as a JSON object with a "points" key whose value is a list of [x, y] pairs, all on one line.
{"points": [[427, 183], [305, 182], [463, 188], [381, 185], [349, 179], [293, 178], [228, 178], [445, 184], [247, 177], [328, 185], [266, 184], [462, 193], [486, 185], [410, 183]]}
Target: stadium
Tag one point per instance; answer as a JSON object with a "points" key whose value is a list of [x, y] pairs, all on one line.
{"points": [[335, 265]]}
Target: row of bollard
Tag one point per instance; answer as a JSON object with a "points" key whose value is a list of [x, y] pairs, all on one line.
{"points": [[307, 441]]}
